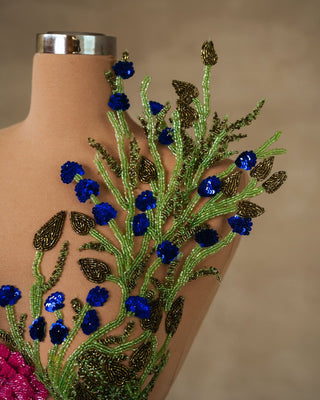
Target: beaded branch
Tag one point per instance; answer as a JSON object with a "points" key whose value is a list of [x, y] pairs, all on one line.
{"points": [[108, 366]]}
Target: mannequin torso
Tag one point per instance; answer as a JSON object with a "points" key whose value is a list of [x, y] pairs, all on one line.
{"points": [[69, 104]]}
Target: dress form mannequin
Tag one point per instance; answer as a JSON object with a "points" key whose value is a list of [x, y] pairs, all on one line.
{"points": [[68, 105]]}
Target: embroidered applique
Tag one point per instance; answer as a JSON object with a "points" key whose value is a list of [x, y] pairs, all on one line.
{"points": [[126, 366]]}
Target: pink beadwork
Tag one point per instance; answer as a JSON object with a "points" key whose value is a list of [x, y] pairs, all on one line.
{"points": [[17, 380]]}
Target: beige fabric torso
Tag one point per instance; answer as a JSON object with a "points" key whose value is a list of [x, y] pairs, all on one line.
{"points": [[32, 192]]}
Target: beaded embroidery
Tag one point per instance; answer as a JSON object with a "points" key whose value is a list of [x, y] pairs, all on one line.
{"points": [[126, 366]]}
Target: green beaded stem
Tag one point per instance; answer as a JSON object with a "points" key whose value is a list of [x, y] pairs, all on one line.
{"points": [[178, 199]]}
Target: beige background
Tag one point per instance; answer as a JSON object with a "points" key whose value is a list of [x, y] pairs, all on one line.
{"points": [[260, 340]]}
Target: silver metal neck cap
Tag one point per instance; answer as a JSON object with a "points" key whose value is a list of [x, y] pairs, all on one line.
{"points": [[76, 43]]}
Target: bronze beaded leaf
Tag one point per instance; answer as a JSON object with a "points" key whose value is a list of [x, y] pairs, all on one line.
{"points": [[230, 184], [106, 156], [22, 324], [49, 234], [208, 54], [263, 169], [81, 223], [77, 307], [248, 119], [144, 125], [274, 182], [174, 315], [94, 270], [185, 90], [205, 272], [92, 246], [116, 373], [111, 79], [58, 269], [146, 170], [187, 114], [246, 209], [141, 356], [81, 393], [154, 321]]}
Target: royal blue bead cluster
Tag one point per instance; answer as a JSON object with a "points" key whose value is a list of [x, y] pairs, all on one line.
{"points": [[167, 251], [165, 136], [119, 101], [146, 201], [97, 296], [124, 69], [37, 329], [103, 213], [90, 322], [69, 171], [139, 306], [140, 224], [9, 295], [240, 225], [209, 187], [155, 107], [58, 332], [207, 237], [85, 188], [246, 160], [54, 302]]}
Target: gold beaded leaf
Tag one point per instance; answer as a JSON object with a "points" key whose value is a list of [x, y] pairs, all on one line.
{"points": [[263, 169], [94, 270], [81, 223], [141, 356], [187, 114], [208, 54], [275, 181], [154, 321], [185, 90], [246, 209], [49, 234], [174, 315], [230, 184], [146, 170]]}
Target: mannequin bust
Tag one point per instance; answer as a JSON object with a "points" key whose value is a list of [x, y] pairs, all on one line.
{"points": [[69, 103]]}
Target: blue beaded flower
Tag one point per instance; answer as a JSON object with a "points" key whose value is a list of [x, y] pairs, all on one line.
{"points": [[54, 302], [124, 69], [209, 186], [119, 101], [85, 188], [207, 237], [37, 329], [9, 295], [155, 107], [58, 332], [146, 201], [90, 322], [167, 251], [103, 212], [246, 160], [139, 306], [140, 224], [97, 296], [69, 171], [165, 137], [240, 225]]}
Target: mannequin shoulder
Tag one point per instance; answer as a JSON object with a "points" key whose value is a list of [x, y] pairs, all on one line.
{"points": [[9, 134]]}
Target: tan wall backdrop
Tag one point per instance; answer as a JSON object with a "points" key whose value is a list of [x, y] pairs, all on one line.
{"points": [[260, 340]]}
